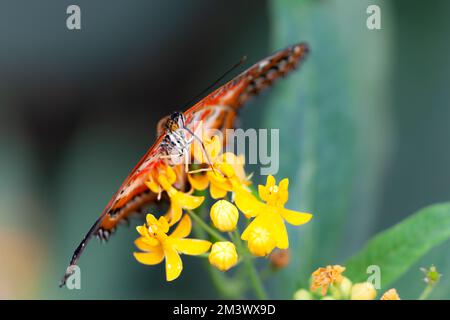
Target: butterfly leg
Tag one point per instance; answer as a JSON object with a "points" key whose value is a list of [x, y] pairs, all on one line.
{"points": [[199, 170]]}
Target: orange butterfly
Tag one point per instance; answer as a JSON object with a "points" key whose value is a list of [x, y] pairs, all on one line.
{"points": [[218, 110]]}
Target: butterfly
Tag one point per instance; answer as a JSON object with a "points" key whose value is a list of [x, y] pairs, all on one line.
{"points": [[218, 110]]}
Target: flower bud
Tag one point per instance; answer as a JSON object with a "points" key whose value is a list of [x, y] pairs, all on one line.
{"points": [[342, 290], [345, 287], [224, 215], [432, 275], [302, 294], [260, 242], [223, 255], [280, 258], [363, 291]]}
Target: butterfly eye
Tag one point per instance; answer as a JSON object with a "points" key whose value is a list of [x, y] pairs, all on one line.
{"points": [[171, 125], [174, 126]]}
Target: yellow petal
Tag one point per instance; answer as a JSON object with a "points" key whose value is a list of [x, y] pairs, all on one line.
{"points": [[183, 229], [153, 186], [263, 192], [283, 193], [230, 158], [187, 201], [247, 203], [142, 230], [227, 169], [279, 232], [146, 244], [258, 222], [174, 265], [149, 258], [191, 246], [217, 178], [171, 175], [214, 148], [237, 163], [167, 186], [217, 192], [198, 151], [294, 217], [150, 219], [284, 184], [164, 224], [198, 181], [266, 192], [174, 213]]}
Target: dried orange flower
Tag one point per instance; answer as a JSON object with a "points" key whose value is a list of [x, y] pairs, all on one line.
{"points": [[325, 277], [391, 294]]}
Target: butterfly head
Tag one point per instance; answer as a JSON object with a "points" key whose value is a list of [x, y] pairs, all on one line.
{"points": [[175, 121]]}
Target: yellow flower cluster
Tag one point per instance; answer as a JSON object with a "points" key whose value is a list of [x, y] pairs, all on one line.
{"points": [[223, 173]]}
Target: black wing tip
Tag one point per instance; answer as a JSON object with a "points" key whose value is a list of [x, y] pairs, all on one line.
{"points": [[301, 48], [66, 276]]}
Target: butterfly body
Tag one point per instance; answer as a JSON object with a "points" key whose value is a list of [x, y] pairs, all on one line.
{"points": [[175, 143], [217, 111]]}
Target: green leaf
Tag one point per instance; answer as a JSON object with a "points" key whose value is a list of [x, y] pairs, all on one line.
{"points": [[396, 249]]}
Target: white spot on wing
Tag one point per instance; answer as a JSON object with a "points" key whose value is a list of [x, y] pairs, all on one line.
{"points": [[262, 64]]}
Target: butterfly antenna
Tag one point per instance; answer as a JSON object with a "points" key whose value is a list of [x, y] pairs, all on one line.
{"points": [[203, 148], [241, 61]]}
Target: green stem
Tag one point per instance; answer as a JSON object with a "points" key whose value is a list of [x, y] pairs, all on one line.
{"points": [[267, 272], [426, 292], [213, 233], [249, 267], [225, 288], [255, 279]]}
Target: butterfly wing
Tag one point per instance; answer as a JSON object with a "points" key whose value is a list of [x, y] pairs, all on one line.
{"points": [[131, 196], [218, 110]]}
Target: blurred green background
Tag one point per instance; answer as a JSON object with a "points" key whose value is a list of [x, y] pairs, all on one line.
{"points": [[363, 126]]}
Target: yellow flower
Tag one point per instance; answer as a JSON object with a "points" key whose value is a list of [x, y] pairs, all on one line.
{"points": [[363, 291], [391, 294], [269, 216], [224, 215], [227, 169], [223, 255], [157, 245], [164, 181], [325, 277]]}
